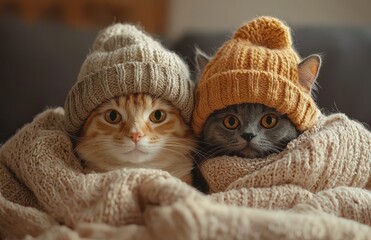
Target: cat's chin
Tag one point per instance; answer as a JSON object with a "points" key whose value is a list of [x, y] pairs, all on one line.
{"points": [[137, 156], [136, 151], [250, 152]]}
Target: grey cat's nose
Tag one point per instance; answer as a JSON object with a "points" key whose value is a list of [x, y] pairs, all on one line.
{"points": [[248, 136]]}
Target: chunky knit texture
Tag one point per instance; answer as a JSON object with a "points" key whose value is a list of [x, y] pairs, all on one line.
{"points": [[319, 188], [319, 159], [125, 60], [258, 65]]}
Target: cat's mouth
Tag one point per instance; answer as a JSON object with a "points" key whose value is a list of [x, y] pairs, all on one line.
{"points": [[136, 150], [243, 150], [250, 150], [251, 153]]}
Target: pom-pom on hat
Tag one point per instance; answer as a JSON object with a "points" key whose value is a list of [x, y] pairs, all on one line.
{"points": [[125, 60], [258, 65]]}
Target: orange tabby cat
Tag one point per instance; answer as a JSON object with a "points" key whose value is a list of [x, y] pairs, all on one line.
{"points": [[137, 131]]}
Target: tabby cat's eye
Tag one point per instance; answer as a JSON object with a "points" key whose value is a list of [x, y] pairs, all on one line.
{"points": [[231, 122], [269, 121], [157, 116], [112, 116]]}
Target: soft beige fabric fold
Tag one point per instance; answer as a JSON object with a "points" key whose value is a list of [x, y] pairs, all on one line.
{"points": [[46, 195], [335, 152]]}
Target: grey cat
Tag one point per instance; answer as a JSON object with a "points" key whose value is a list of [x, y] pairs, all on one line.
{"points": [[252, 130], [247, 130]]}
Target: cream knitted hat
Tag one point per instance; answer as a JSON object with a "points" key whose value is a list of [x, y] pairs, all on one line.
{"points": [[125, 61]]}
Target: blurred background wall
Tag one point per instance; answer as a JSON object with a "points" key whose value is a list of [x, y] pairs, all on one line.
{"points": [[44, 42], [223, 15], [172, 18]]}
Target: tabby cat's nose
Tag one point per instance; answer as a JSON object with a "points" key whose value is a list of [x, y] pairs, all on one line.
{"points": [[135, 136], [248, 136]]}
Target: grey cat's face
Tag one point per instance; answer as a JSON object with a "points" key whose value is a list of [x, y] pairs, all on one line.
{"points": [[253, 130], [248, 130]]}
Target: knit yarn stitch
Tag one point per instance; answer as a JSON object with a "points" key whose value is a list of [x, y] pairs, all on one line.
{"points": [[258, 65], [124, 61], [319, 188]]}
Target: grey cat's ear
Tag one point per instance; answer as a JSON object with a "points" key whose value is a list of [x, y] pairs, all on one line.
{"points": [[201, 59], [308, 71]]}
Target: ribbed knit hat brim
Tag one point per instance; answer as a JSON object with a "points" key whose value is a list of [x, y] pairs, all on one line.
{"points": [[263, 87]]}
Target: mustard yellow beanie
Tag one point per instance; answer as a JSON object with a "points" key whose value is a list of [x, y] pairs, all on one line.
{"points": [[125, 60], [258, 65]]}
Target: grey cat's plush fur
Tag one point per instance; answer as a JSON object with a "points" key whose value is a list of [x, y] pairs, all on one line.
{"points": [[257, 130], [250, 139]]}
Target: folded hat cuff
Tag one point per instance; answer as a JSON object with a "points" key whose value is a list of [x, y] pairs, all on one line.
{"points": [[251, 86], [124, 79]]}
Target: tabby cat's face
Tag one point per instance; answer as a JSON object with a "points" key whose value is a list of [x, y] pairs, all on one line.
{"points": [[136, 131], [248, 130]]}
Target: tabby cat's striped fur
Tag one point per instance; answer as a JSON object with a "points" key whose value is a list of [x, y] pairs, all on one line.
{"points": [[137, 131]]}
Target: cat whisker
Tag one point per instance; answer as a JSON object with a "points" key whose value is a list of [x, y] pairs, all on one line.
{"points": [[185, 143], [272, 149], [191, 149], [177, 139], [178, 154], [201, 141], [99, 140], [188, 148], [95, 144], [217, 151], [95, 150]]}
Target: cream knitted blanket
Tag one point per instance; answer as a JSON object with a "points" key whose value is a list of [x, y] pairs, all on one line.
{"points": [[319, 188]]}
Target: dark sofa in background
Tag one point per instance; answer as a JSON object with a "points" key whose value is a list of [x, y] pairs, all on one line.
{"points": [[40, 62]]}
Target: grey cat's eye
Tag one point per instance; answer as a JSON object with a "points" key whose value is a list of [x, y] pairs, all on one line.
{"points": [[269, 121], [231, 122]]}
